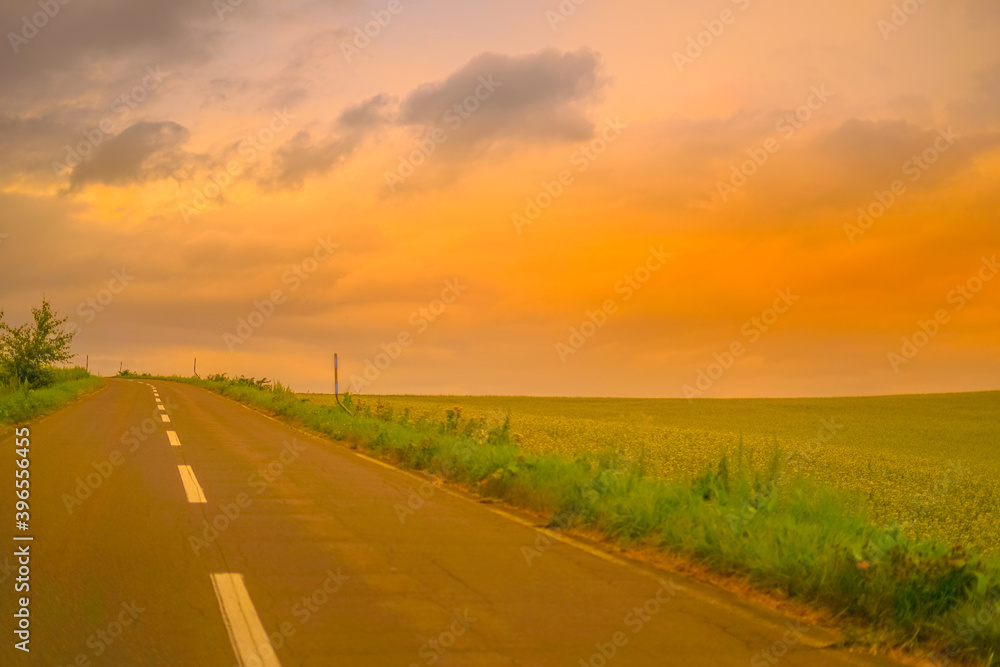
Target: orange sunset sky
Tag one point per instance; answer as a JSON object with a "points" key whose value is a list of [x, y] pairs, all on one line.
{"points": [[484, 181]]}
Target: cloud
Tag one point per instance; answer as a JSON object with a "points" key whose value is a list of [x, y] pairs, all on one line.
{"points": [[305, 70], [873, 150], [141, 152], [30, 143], [542, 97], [869, 154], [367, 114], [841, 168], [302, 156], [82, 34]]}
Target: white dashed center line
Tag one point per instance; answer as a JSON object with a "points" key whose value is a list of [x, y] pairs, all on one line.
{"points": [[191, 486], [174, 440], [246, 633]]}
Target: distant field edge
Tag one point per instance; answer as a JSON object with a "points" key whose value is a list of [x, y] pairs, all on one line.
{"points": [[704, 399]]}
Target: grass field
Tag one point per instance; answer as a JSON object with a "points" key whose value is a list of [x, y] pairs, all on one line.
{"points": [[67, 384], [929, 461]]}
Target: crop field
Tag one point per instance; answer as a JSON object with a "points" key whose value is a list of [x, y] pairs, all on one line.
{"points": [[929, 462]]}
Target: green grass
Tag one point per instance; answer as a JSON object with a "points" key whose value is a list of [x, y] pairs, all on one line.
{"points": [[67, 384], [742, 513], [929, 462]]}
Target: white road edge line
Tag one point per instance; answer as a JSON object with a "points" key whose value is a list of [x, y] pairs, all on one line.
{"points": [[191, 486], [174, 440], [246, 633]]}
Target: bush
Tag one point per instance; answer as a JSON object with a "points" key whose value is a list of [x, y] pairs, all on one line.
{"points": [[27, 351]]}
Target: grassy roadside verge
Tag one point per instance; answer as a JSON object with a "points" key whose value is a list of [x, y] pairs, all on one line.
{"points": [[781, 533], [68, 384]]}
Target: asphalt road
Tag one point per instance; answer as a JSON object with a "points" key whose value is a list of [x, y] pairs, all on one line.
{"points": [[222, 537]]}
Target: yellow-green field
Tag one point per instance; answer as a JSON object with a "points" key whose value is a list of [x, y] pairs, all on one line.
{"points": [[929, 461]]}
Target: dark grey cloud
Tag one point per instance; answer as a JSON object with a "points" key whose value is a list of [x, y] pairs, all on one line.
{"points": [[31, 144], [141, 152], [370, 113], [303, 156], [82, 34], [541, 97]]}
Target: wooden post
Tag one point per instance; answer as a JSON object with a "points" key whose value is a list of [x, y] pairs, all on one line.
{"points": [[88, 363]]}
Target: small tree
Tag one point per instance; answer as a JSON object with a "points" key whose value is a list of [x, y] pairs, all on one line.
{"points": [[26, 350]]}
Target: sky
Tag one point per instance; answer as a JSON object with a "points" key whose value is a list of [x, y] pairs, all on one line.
{"points": [[726, 198]]}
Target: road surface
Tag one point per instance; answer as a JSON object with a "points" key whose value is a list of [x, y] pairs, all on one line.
{"points": [[174, 527]]}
